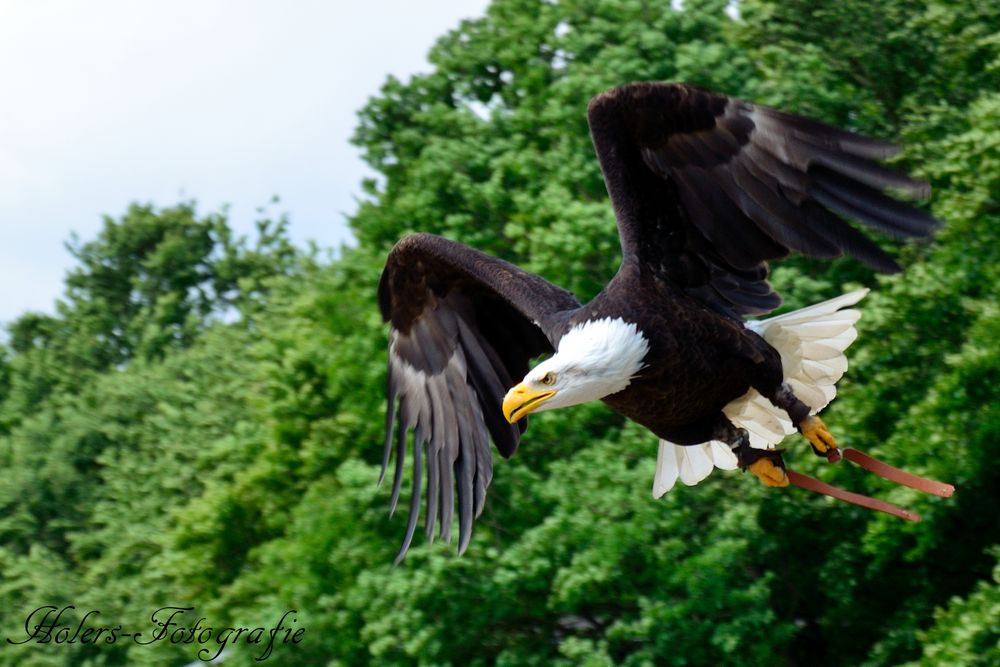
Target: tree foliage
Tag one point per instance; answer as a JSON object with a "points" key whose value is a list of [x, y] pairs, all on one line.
{"points": [[199, 421]]}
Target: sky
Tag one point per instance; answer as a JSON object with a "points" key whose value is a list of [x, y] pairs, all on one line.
{"points": [[106, 102]]}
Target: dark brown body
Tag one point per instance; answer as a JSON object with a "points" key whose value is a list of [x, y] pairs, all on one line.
{"points": [[680, 393]]}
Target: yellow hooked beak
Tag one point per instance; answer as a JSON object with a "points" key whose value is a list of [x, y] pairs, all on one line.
{"points": [[522, 399]]}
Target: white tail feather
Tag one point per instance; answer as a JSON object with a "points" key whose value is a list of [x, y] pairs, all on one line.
{"points": [[811, 342], [689, 464]]}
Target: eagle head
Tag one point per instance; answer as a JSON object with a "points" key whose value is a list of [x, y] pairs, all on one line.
{"points": [[594, 359]]}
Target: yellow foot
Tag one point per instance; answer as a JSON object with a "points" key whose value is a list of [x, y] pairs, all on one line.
{"points": [[818, 436], [768, 473]]}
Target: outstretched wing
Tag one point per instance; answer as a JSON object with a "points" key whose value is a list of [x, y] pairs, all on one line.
{"points": [[464, 327], [708, 188]]}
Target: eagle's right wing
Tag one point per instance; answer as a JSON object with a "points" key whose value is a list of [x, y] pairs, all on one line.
{"points": [[707, 189]]}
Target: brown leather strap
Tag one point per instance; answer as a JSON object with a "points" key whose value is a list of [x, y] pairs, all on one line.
{"points": [[816, 486], [898, 476]]}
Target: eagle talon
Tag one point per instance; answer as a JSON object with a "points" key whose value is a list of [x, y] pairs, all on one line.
{"points": [[819, 437], [770, 470], [766, 464]]}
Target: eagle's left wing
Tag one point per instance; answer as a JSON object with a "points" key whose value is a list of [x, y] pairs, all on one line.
{"points": [[464, 327]]}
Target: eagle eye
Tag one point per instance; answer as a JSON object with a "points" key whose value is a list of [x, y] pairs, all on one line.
{"points": [[549, 378]]}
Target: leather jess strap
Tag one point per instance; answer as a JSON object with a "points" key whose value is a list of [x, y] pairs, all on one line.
{"points": [[812, 484], [881, 469], [886, 471]]}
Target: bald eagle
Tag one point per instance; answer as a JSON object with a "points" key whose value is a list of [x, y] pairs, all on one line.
{"points": [[706, 190]]}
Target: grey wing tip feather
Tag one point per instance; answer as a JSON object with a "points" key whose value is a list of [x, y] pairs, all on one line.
{"points": [[464, 539], [390, 392], [397, 479], [411, 521]]}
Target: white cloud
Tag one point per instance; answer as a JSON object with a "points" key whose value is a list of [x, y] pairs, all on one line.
{"points": [[224, 101]]}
